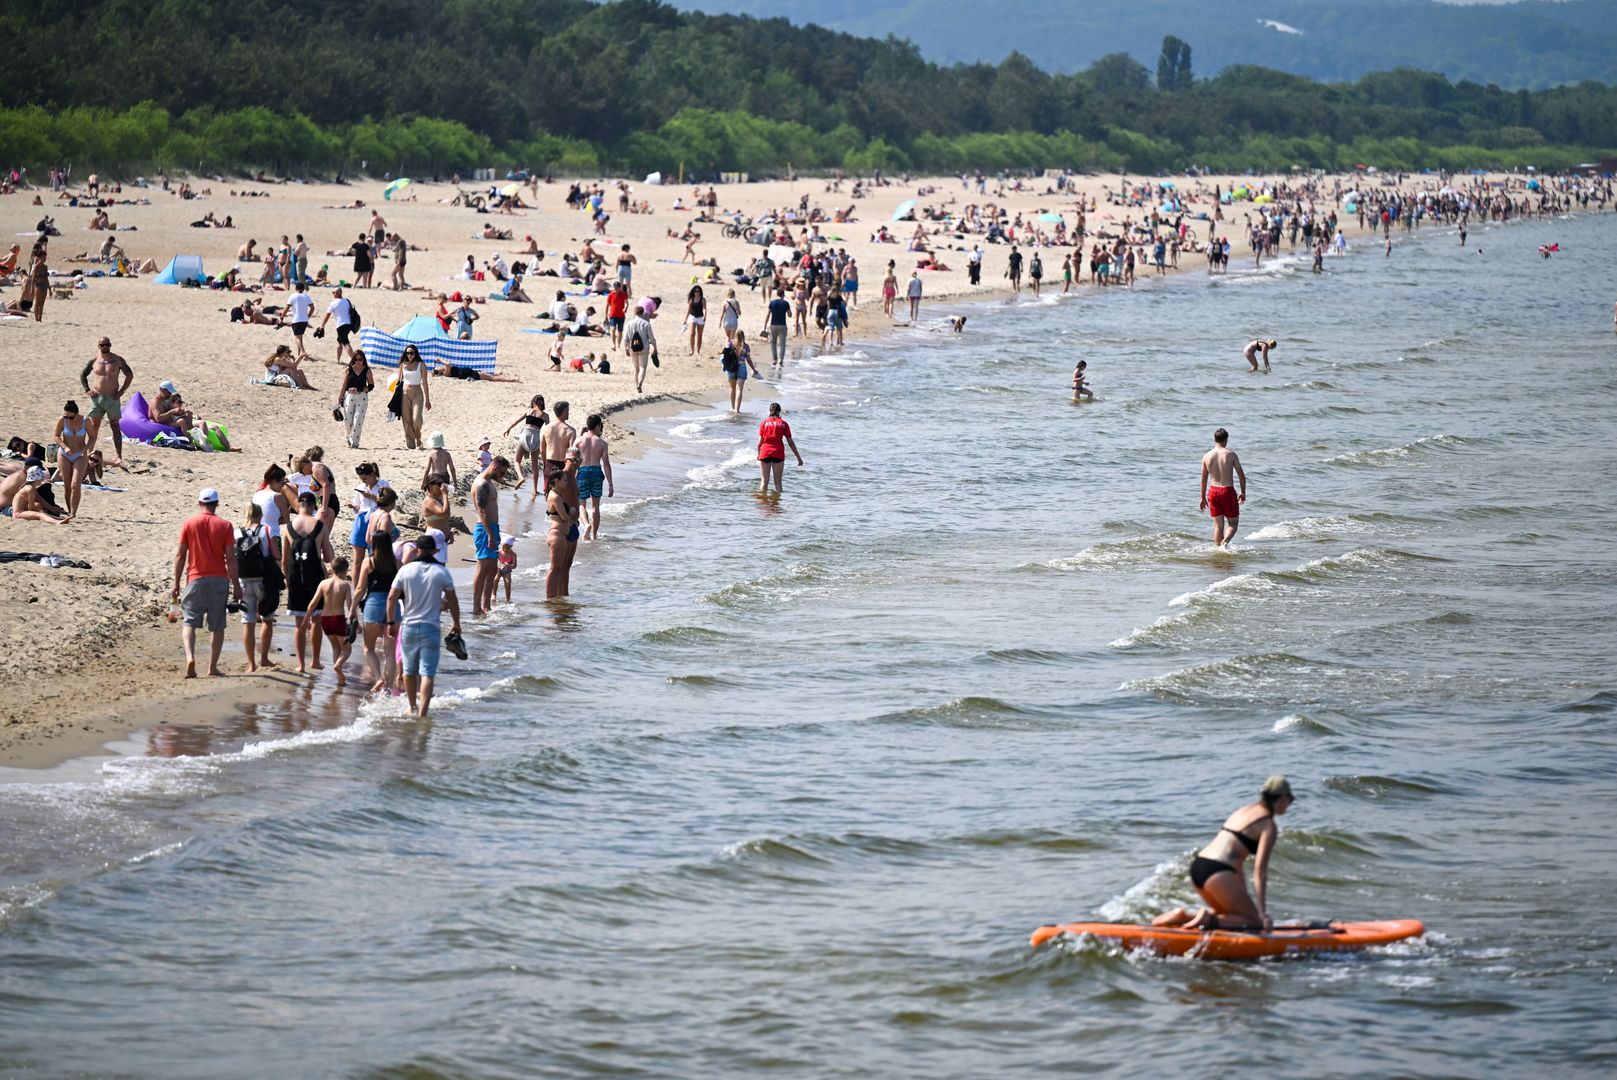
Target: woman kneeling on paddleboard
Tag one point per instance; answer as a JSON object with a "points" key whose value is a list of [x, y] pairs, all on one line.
{"points": [[1216, 869]]}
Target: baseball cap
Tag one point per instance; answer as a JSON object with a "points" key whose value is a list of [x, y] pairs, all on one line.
{"points": [[1277, 787], [169, 386], [208, 495], [437, 537]]}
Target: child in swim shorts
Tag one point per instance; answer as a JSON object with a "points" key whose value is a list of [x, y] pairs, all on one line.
{"points": [[333, 599]]}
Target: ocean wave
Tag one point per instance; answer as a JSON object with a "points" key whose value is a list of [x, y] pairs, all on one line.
{"points": [[1297, 723], [718, 476], [702, 636], [1428, 447], [1136, 552], [1235, 679], [1378, 788], [1028, 656], [968, 712], [1166, 886], [1326, 528], [702, 682], [797, 581]]}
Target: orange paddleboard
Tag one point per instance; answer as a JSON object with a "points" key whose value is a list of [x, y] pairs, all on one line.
{"points": [[1240, 944]]}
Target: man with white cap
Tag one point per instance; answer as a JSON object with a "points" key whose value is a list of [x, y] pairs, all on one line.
{"points": [[169, 409], [206, 563], [423, 587]]}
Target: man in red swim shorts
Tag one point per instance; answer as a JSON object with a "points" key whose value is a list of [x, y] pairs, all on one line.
{"points": [[1220, 466]]}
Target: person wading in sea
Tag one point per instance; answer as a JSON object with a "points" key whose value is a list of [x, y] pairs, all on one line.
{"points": [[1220, 466]]}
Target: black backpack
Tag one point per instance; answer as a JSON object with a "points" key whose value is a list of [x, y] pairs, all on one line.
{"points": [[353, 316], [250, 552], [636, 342], [307, 568], [729, 360]]}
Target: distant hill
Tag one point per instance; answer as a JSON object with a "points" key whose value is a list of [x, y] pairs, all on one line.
{"points": [[1529, 45]]}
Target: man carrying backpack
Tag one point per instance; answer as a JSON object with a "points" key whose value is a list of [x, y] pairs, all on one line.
{"points": [[347, 322], [641, 343]]}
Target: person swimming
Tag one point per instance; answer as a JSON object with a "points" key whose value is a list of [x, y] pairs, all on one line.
{"points": [[1215, 872]]}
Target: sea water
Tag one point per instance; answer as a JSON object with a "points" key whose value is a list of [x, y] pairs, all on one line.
{"points": [[787, 786]]}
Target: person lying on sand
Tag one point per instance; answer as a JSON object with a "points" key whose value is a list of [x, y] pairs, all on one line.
{"points": [[456, 371]]}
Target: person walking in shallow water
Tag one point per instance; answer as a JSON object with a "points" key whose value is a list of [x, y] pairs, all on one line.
{"points": [[1220, 466], [774, 436]]}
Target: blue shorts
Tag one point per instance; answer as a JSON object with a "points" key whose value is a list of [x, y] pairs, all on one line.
{"points": [[614, 322], [487, 541], [590, 479], [375, 610], [422, 648], [833, 319], [850, 286]]}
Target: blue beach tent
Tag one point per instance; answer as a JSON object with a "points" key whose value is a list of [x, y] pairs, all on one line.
{"points": [[181, 268]]}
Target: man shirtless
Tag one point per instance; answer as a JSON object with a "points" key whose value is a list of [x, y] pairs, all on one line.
{"points": [[555, 440], [20, 499], [485, 499], [106, 378], [1220, 500], [1254, 347]]}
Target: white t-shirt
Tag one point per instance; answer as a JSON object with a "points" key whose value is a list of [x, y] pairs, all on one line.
{"points": [[423, 585], [341, 310], [301, 305], [915, 287], [558, 311]]}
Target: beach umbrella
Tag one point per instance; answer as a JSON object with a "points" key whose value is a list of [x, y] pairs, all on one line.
{"points": [[905, 209], [398, 185], [1168, 184], [1167, 208], [419, 328], [1051, 217]]}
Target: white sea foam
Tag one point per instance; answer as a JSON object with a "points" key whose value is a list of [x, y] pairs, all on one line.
{"points": [[718, 476]]}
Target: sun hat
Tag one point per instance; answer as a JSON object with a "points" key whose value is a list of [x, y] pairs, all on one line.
{"points": [[208, 496], [484, 441], [436, 440], [36, 474]]}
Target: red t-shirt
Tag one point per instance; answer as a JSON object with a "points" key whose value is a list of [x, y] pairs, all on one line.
{"points": [[617, 302], [207, 537], [772, 436]]}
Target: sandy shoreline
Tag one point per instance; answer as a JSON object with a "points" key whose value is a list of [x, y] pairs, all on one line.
{"points": [[87, 651]]}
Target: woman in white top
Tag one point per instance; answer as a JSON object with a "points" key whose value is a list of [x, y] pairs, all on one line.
{"points": [[730, 316], [415, 378], [271, 499]]}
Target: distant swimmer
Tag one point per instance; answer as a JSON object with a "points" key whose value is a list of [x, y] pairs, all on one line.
{"points": [[1257, 346], [1080, 382], [1220, 500], [958, 322], [1216, 869]]}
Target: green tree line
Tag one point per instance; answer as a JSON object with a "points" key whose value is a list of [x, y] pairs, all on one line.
{"points": [[570, 86]]}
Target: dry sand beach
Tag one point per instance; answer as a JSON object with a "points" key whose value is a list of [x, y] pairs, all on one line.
{"points": [[86, 650]]}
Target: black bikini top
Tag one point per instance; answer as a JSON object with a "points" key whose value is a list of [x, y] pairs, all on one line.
{"points": [[1250, 844]]}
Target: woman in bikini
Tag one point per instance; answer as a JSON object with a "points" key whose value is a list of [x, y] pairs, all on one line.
{"points": [[435, 504], [533, 421], [1216, 869], [889, 290], [73, 460]]}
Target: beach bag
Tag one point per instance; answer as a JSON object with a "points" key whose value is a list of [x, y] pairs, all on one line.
{"points": [[250, 552], [353, 316], [729, 360], [636, 342]]}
